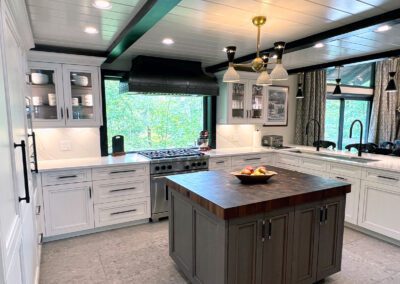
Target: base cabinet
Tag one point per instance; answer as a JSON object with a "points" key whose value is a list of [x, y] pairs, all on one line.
{"points": [[294, 245]]}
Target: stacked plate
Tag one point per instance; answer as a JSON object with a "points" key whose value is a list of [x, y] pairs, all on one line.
{"points": [[80, 80]]}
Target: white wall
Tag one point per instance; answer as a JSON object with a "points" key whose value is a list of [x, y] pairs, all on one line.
{"points": [[250, 135], [67, 143]]}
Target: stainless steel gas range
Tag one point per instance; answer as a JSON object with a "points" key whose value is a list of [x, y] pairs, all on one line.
{"points": [[170, 162]]}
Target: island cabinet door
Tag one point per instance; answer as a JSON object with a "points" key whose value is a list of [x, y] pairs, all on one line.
{"points": [[330, 238], [276, 241], [244, 238]]}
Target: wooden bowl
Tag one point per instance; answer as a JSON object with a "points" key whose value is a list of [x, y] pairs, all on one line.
{"points": [[254, 179]]}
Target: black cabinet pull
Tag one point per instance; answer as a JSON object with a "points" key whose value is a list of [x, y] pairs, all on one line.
{"points": [[124, 171], [263, 231], [67, 113], [38, 209], [389, 178], [62, 113], [220, 162], [342, 178], [321, 215], [40, 239], [27, 197], [326, 214], [252, 159], [35, 160], [166, 192], [90, 192], [123, 189], [122, 212], [270, 229], [71, 176]]}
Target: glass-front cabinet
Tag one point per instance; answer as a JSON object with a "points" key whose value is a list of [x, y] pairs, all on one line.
{"points": [[238, 101], [65, 95], [82, 99], [257, 103], [47, 94]]}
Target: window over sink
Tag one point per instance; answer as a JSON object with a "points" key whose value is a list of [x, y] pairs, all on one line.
{"points": [[152, 121]]}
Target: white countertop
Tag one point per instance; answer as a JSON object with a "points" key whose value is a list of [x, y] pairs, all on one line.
{"points": [[50, 165], [383, 162]]}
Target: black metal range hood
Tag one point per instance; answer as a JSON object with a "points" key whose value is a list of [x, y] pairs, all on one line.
{"points": [[161, 76]]}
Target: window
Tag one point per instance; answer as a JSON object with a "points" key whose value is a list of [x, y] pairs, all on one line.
{"points": [[152, 121], [360, 75]]}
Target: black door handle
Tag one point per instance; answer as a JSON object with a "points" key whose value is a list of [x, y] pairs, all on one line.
{"points": [[166, 192], [270, 229], [35, 161], [27, 198], [321, 215]]}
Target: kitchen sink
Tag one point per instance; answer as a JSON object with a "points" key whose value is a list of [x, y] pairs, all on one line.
{"points": [[343, 158]]}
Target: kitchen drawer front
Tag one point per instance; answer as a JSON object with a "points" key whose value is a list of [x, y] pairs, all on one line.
{"points": [[345, 170], [120, 189], [221, 163], [313, 164], [252, 160], [383, 177], [117, 172], [121, 211], [287, 160], [65, 177]]}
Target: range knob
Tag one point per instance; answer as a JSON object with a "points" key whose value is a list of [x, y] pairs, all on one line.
{"points": [[169, 167], [193, 164], [157, 168], [204, 163], [187, 167], [163, 167], [198, 164]]}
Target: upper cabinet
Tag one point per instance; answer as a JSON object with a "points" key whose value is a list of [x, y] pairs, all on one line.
{"points": [[242, 102], [65, 93]]}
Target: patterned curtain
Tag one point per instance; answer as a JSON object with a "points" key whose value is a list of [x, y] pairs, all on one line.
{"points": [[385, 115], [312, 106]]}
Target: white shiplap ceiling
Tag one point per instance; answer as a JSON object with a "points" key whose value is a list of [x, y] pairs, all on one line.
{"points": [[201, 28]]}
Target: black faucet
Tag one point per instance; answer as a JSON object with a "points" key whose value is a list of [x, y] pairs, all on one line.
{"points": [[361, 134], [319, 131]]}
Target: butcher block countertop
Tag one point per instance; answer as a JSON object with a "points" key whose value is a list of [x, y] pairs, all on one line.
{"points": [[225, 196]]}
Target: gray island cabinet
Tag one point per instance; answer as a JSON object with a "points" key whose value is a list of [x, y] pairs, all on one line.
{"points": [[289, 230]]}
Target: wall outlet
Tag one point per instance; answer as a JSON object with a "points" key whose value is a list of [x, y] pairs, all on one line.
{"points": [[65, 145]]}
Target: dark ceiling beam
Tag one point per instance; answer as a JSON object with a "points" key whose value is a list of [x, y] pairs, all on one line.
{"points": [[375, 56], [148, 15], [389, 18], [70, 50]]}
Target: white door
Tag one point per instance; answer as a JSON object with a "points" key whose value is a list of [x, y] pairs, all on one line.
{"points": [[68, 208], [17, 230]]}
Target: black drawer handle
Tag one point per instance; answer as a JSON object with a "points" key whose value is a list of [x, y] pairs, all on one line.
{"points": [[38, 209], [71, 176], [220, 162], [321, 215], [263, 231], [252, 159], [27, 197], [326, 214], [122, 212], [342, 178], [166, 192], [389, 178], [123, 189], [121, 172]]}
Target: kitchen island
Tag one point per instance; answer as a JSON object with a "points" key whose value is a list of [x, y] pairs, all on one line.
{"points": [[289, 230]]}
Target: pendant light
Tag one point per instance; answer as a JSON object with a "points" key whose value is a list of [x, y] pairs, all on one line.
{"points": [[337, 90], [300, 94], [264, 79], [279, 72], [391, 86], [258, 64]]}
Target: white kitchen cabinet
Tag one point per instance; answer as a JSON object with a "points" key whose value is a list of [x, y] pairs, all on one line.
{"points": [[242, 102], [379, 208], [64, 99], [220, 163], [68, 208], [254, 160]]}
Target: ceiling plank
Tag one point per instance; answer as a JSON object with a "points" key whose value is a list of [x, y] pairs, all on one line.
{"points": [[150, 13], [390, 18]]}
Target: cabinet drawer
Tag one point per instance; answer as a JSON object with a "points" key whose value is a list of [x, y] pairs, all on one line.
{"points": [[128, 171], [122, 211], [222, 163], [287, 160], [252, 160], [345, 170], [383, 177], [313, 164], [64, 177], [120, 189]]}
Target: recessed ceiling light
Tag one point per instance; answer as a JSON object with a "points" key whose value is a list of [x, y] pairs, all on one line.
{"points": [[168, 41], [383, 28], [91, 30], [319, 45], [102, 4]]}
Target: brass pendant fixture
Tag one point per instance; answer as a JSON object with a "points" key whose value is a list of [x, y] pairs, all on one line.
{"points": [[260, 63]]}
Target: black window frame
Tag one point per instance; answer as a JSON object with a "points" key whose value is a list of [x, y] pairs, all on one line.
{"points": [[353, 97], [209, 111]]}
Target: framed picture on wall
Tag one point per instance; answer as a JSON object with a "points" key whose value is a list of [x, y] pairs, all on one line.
{"points": [[277, 106]]}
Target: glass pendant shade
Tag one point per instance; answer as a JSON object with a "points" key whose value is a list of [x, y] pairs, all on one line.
{"points": [[337, 90], [279, 72], [391, 86], [299, 94], [264, 79], [231, 75]]}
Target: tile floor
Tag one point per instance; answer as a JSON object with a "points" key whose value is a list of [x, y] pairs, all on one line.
{"points": [[139, 254]]}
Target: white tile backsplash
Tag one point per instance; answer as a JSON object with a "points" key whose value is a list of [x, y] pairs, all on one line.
{"points": [[67, 143]]}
